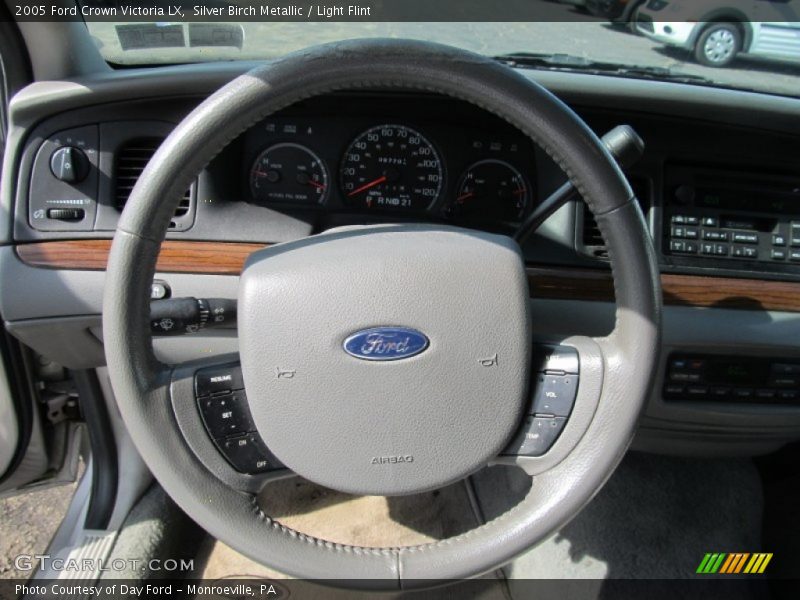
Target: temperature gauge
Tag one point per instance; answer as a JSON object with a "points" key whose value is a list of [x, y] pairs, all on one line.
{"points": [[490, 190], [289, 173]]}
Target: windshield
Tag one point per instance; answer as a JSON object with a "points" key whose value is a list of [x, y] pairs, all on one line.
{"points": [[762, 56]]}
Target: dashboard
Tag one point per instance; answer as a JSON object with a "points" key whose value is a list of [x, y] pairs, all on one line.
{"points": [[719, 187]]}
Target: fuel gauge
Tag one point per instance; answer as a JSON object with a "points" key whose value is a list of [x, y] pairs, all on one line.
{"points": [[289, 172], [490, 190]]}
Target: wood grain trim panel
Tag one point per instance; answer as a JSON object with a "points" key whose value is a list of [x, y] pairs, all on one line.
{"points": [[546, 282], [678, 290], [208, 258]]}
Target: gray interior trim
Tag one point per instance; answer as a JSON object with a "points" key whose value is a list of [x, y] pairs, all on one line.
{"points": [[9, 428], [49, 59]]}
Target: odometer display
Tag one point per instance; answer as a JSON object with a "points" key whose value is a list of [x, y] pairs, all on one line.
{"points": [[391, 167]]}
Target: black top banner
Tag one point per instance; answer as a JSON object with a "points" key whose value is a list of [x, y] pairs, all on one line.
{"points": [[177, 11]]}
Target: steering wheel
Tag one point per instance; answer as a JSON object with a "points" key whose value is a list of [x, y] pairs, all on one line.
{"points": [[449, 306]]}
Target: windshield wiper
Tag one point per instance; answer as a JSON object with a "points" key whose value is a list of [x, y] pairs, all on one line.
{"points": [[569, 62]]}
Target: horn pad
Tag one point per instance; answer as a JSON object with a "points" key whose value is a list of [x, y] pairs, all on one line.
{"points": [[386, 360]]}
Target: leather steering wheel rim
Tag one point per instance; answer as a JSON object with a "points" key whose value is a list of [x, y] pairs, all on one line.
{"points": [[142, 384]]}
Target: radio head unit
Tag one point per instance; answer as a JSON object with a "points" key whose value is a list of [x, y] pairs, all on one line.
{"points": [[722, 219]]}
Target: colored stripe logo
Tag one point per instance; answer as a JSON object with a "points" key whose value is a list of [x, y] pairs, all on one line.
{"points": [[734, 563]]}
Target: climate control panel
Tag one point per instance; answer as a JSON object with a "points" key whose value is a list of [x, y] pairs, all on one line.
{"points": [[732, 379]]}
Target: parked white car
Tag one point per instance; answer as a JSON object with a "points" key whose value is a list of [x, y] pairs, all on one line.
{"points": [[717, 31]]}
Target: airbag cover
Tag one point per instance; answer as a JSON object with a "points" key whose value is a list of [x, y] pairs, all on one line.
{"points": [[386, 427]]}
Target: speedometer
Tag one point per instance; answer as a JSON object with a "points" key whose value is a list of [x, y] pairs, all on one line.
{"points": [[391, 167]]}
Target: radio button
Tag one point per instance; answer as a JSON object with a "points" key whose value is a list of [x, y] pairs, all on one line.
{"points": [[778, 254], [745, 238], [746, 252], [682, 247], [784, 381], [795, 234], [689, 233], [738, 224], [673, 390], [766, 394], [714, 249], [785, 369], [697, 391], [715, 236], [720, 392]]}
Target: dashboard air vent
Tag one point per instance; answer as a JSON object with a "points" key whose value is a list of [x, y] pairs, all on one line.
{"points": [[590, 240], [131, 159]]}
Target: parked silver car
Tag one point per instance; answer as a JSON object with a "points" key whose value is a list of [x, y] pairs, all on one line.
{"points": [[718, 31]]}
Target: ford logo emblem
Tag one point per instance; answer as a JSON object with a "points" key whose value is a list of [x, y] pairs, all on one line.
{"points": [[386, 343]]}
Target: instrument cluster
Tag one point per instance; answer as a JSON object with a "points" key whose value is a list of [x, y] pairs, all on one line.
{"points": [[433, 169]]}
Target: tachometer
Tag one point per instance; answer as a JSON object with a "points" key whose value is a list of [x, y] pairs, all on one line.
{"points": [[490, 191], [391, 167], [289, 172]]}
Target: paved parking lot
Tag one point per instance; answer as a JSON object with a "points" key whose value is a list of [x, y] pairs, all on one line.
{"points": [[597, 40]]}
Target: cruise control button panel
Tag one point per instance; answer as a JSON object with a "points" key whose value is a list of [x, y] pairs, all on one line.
{"points": [[553, 393], [223, 407]]}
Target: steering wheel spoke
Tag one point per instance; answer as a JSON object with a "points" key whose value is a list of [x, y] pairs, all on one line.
{"points": [[565, 385], [211, 407]]}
